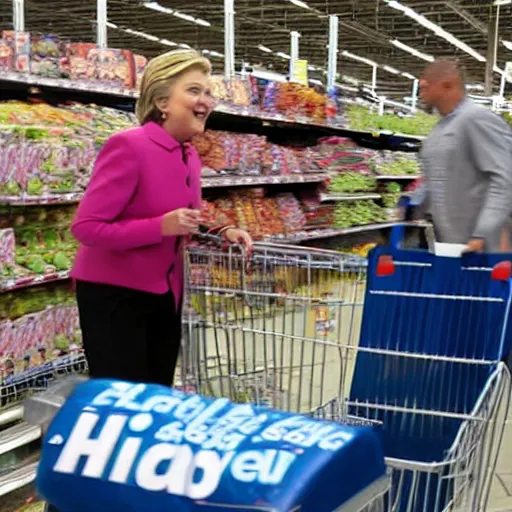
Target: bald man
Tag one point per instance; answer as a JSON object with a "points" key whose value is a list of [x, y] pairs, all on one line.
{"points": [[467, 164]]}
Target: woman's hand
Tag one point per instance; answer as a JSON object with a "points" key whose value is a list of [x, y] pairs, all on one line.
{"points": [[181, 222], [238, 236]]}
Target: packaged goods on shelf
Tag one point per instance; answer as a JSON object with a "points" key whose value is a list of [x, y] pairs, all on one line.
{"points": [[48, 56], [15, 51], [392, 163], [350, 182], [43, 243], [358, 213], [292, 215], [295, 100], [317, 213], [361, 118], [33, 340]]}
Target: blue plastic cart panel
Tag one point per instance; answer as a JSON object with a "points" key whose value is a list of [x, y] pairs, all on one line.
{"points": [[127, 447]]}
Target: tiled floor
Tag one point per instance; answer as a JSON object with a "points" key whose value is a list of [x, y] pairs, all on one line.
{"points": [[501, 496]]}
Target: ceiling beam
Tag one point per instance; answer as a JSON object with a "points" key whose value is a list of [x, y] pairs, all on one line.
{"points": [[468, 17]]}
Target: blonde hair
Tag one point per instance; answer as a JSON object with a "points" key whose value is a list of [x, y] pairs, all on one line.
{"points": [[159, 75]]}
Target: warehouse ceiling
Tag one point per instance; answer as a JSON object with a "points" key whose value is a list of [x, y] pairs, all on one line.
{"points": [[367, 28]]}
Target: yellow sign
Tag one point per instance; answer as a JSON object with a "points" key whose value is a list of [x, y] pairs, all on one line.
{"points": [[300, 72]]}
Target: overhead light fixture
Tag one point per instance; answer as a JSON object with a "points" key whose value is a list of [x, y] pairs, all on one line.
{"points": [[507, 44], [409, 76], [184, 45], [436, 29], [216, 54], [412, 51], [283, 55], [157, 7], [300, 3], [137, 33], [264, 49], [111, 25], [168, 43], [499, 3], [389, 69], [475, 87], [360, 59], [346, 87], [350, 80], [312, 68]]}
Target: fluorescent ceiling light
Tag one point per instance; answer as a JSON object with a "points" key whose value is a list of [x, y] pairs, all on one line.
{"points": [[264, 49], [435, 28], [184, 45], [475, 87], [409, 76], [312, 68], [507, 44], [389, 69], [299, 3], [216, 54], [502, 2], [360, 59], [350, 80], [111, 25], [149, 37], [157, 7], [168, 43], [283, 55], [412, 51], [315, 81]]}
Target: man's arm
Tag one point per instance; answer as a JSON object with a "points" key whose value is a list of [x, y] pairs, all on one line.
{"points": [[491, 144]]}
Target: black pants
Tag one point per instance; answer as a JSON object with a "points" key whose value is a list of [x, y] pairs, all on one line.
{"points": [[129, 334]]}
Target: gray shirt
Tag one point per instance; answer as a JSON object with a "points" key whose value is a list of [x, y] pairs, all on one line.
{"points": [[467, 165]]}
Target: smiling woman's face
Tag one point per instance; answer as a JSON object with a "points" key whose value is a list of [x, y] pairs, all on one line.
{"points": [[188, 106]]}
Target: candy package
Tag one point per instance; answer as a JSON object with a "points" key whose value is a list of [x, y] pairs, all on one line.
{"points": [[48, 57], [20, 42], [113, 67]]}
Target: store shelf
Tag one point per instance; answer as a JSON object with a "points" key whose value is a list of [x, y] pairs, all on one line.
{"points": [[247, 112], [349, 197], [206, 182], [18, 435], [64, 83], [397, 178], [11, 415], [320, 234], [53, 199], [241, 181], [8, 285], [17, 479]]}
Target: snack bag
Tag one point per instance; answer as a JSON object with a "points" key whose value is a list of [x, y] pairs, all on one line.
{"points": [[113, 67], [6, 56]]}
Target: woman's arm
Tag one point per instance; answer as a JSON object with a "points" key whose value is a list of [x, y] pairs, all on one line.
{"points": [[111, 188]]}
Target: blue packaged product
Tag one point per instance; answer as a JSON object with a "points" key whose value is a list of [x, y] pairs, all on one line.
{"points": [[118, 446]]}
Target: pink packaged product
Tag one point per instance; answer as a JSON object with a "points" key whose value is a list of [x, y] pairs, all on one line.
{"points": [[292, 216], [114, 67], [7, 248], [140, 66], [46, 328], [20, 42], [80, 67], [6, 328], [6, 56]]}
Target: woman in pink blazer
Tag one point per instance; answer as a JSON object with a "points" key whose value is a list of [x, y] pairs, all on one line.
{"points": [[142, 202]]}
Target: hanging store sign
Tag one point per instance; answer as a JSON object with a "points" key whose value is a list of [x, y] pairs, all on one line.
{"points": [[300, 72]]}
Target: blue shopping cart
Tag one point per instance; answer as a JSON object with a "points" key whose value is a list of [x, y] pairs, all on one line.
{"points": [[121, 446], [434, 333]]}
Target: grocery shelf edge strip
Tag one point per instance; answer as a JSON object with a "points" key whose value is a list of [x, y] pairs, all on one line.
{"points": [[18, 479]]}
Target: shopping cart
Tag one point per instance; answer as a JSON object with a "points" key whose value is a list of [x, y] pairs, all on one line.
{"points": [[286, 327], [121, 446]]}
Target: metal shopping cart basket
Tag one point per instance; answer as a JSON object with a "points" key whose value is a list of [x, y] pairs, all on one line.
{"points": [[286, 327]]}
